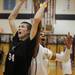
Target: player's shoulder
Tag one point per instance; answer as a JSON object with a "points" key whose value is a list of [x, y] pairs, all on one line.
{"points": [[44, 48]]}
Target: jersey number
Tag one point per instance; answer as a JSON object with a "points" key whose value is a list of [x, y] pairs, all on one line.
{"points": [[11, 57]]}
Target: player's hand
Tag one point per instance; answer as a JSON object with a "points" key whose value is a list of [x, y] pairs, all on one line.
{"points": [[44, 4], [23, 0]]}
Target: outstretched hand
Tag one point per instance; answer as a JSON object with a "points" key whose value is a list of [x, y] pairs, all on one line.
{"points": [[68, 45], [44, 4], [23, 0]]}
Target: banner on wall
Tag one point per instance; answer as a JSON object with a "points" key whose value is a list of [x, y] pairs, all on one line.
{"points": [[9, 4]]}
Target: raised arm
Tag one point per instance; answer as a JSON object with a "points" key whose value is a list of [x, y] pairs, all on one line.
{"points": [[61, 57], [65, 56], [37, 20], [14, 14]]}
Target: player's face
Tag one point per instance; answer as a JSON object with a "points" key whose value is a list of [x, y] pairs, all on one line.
{"points": [[22, 31]]}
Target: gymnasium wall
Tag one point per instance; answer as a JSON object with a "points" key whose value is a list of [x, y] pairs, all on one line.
{"points": [[65, 16], [64, 26], [65, 6], [26, 9]]}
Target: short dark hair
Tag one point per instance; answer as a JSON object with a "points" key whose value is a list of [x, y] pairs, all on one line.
{"points": [[28, 25]]}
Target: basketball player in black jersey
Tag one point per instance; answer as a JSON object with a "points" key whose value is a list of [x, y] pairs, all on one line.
{"points": [[19, 57]]}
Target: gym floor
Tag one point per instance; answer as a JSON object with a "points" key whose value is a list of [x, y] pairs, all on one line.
{"points": [[53, 69]]}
